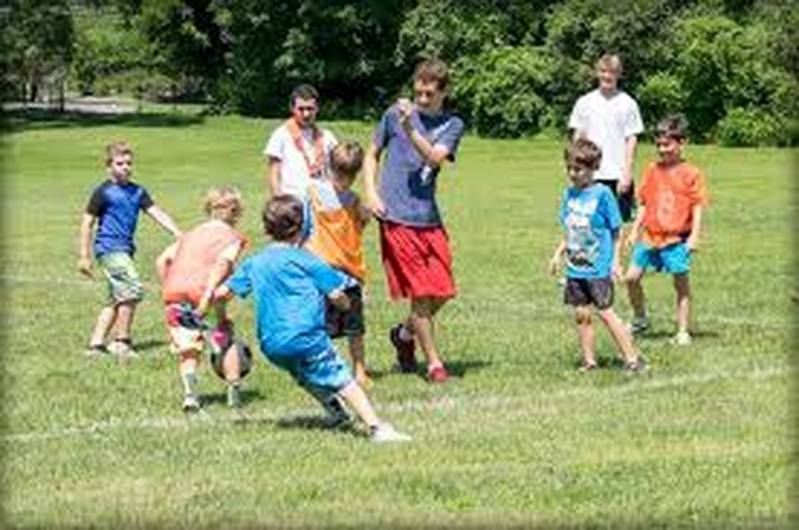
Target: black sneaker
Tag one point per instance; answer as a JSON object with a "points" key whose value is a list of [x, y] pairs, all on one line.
{"points": [[635, 367], [406, 350]]}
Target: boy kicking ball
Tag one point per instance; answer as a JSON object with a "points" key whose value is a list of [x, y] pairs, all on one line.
{"points": [[591, 220]]}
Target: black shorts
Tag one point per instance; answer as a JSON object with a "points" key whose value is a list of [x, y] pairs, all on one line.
{"points": [[347, 323], [596, 291], [625, 200]]}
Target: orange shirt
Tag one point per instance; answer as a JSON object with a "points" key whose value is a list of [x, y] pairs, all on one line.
{"points": [[337, 235], [669, 194], [197, 254]]}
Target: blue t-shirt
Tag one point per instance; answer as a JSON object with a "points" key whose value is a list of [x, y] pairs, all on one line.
{"points": [[591, 219], [117, 207], [289, 286], [407, 184]]}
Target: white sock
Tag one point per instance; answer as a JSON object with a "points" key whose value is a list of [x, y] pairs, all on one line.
{"points": [[189, 380], [405, 334]]}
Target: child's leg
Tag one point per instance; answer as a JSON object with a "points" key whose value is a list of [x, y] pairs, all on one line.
{"points": [[421, 323], [357, 353], [105, 320], [621, 335], [683, 287], [635, 291], [585, 329], [189, 360], [124, 320], [231, 366], [359, 402]]}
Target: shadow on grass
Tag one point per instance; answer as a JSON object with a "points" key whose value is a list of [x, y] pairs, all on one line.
{"points": [[150, 344], [457, 369], [247, 396], [663, 334], [22, 120]]}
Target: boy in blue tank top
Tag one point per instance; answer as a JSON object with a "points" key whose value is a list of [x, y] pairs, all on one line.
{"points": [[114, 207]]}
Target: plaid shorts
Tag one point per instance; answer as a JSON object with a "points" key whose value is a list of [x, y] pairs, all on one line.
{"points": [[124, 284]]}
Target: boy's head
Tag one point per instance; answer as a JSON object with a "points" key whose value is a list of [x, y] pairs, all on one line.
{"points": [[608, 72], [582, 158], [283, 218], [346, 160], [224, 203], [430, 83], [119, 160], [304, 105], [670, 137]]}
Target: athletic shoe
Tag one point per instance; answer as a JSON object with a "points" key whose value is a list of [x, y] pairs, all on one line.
{"points": [[123, 350], [438, 375], [234, 396], [337, 415], [406, 350], [96, 351], [191, 403], [682, 338], [587, 367], [635, 367], [386, 433], [639, 325]]}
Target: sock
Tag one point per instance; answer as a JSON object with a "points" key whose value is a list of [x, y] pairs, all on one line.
{"points": [[405, 334], [189, 380]]}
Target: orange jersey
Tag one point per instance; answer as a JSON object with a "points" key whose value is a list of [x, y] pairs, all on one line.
{"points": [[669, 195], [337, 235], [197, 254]]}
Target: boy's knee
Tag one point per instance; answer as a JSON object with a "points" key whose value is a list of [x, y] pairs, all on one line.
{"points": [[582, 315]]}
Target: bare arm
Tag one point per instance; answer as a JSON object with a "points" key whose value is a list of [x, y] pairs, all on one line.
{"points": [[273, 175], [616, 270], [163, 261], [433, 155], [85, 259], [696, 227], [635, 230], [630, 144], [371, 163], [163, 219], [557, 256], [219, 273]]}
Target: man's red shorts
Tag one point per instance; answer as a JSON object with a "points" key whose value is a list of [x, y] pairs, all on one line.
{"points": [[417, 261]]}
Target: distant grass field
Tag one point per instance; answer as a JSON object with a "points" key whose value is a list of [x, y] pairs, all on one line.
{"points": [[703, 439]]}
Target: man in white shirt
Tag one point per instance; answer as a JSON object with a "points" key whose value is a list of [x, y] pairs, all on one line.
{"points": [[298, 150], [610, 118]]}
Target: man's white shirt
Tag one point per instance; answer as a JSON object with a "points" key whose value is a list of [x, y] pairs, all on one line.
{"points": [[294, 176]]}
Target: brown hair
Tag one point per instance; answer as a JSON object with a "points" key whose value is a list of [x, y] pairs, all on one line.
{"points": [[583, 152], [224, 203], [283, 217], [611, 61], [303, 91], [115, 149], [432, 70], [673, 127], [346, 159]]}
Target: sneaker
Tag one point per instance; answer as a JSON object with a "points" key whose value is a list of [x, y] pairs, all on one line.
{"points": [[682, 338], [635, 367], [337, 415], [123, 350], [406, 350], [638, 325], [438, 375], [587, 367], [234, 396], [96, 351], [386, 433], [191, 403]]}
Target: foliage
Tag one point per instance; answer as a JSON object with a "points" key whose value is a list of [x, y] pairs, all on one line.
{"points": [[750, 128]]}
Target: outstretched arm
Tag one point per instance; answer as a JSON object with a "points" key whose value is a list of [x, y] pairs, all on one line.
{"points": [[84, 259], [163, 219], [371, 163]]}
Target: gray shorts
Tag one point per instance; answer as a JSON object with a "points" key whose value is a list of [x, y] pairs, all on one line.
{"points": [[595, 291]]}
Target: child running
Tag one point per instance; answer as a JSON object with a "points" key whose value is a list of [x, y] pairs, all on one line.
{"points": [[666, 232], [289, 286], [114, 206], [591, 220], [190, 269], [337, 237]]}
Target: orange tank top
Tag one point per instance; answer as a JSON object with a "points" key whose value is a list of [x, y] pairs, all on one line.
{"points": [[337, 236], [197, 253]]}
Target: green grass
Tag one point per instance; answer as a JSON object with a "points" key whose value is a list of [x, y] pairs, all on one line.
{"points": [[518, 437]]}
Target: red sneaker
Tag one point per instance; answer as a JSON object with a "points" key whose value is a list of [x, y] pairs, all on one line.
{"points": [[406, 350], [438, 375]]}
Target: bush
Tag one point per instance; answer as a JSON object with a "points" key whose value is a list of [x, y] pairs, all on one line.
{"points": [[502, 91], [660, 95], [751, 128]]}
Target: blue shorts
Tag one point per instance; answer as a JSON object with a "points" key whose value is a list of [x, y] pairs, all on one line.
{"points": [[322, 374], [672, 259]]}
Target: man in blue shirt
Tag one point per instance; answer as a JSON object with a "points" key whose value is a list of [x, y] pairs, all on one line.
{"points": [[114, 206], [417, 138]]}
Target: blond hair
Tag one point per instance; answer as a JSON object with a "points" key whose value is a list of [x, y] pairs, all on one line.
{"points": [[115, 149], [346, 159], [611, 61], [224, 203]]}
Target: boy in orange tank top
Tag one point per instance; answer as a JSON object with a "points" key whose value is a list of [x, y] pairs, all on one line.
{"points": [[190, 269], [665, 234], [338, 219]]}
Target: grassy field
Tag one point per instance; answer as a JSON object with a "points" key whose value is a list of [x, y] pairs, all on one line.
{"points": [[703, 439]]}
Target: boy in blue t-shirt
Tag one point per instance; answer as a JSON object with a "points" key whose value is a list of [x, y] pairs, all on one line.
{"points": [[114, 206], [591, 221], [289, 287]]}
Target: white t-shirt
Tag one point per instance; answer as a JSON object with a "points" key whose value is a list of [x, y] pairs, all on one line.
{"points": [[294, 177], [608, 122]]}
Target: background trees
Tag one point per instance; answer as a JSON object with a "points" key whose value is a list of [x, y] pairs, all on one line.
{"points": [[729, 65]]}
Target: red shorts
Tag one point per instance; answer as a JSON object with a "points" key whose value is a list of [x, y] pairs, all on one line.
{"points": [[417, 261]]}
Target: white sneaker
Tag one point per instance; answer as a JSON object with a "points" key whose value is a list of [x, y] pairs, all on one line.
{"points": [[682, 338], [386, 433], [122, 350], [191, 403], [638, 325]]}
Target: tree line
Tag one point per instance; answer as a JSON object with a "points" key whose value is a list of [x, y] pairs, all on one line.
{"points": [[518, 65]]}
